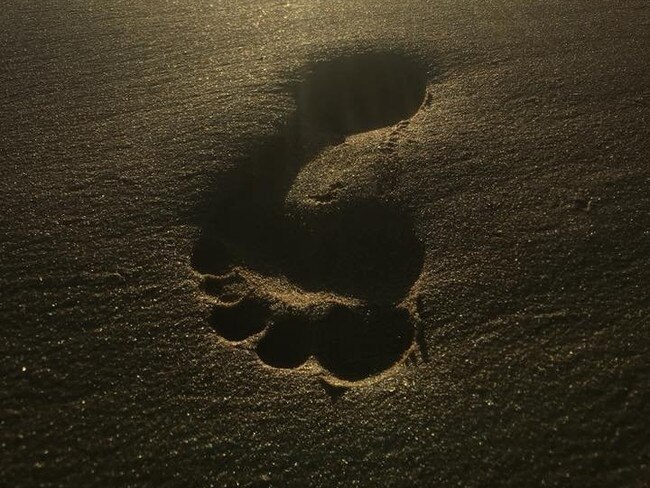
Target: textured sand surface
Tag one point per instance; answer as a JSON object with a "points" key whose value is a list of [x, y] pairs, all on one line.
{"points": [[479, 315]]}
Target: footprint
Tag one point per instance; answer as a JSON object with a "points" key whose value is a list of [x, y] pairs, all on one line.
{"points": [[307, 262]]}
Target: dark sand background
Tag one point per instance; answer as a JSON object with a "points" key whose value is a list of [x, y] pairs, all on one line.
{"points": [[527, 178]]}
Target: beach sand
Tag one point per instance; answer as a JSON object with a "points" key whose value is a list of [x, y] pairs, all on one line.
{"points": [[325, 243]]}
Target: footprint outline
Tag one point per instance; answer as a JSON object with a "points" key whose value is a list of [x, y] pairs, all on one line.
{"points": [[326, 320]]}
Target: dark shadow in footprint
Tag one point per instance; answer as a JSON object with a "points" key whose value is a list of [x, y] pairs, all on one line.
{"points": [[210, 256], [366, 249]]}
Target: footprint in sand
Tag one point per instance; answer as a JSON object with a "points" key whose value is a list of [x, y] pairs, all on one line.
{"points": [[308, 263]]}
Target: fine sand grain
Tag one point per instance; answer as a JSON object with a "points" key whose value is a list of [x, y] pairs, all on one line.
{"points": [[324, 243]]}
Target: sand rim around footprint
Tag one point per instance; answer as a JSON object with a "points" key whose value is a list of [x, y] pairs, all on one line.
{"points": [[320, 279]]}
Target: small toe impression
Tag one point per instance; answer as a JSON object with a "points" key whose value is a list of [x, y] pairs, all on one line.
{"points": [[241, 320], [286, 344], [357, 344]]}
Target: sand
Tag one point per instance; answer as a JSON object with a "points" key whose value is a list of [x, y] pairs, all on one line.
{"points": [[325, 244]]}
